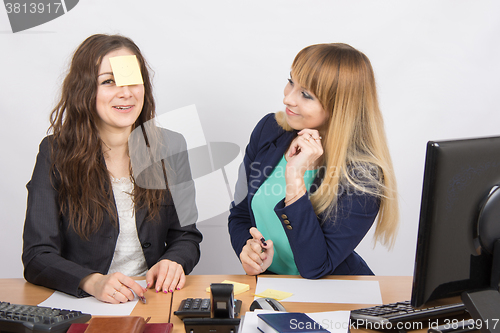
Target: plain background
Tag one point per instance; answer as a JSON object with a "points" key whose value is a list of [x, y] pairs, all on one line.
{"points": [[436, 65]]}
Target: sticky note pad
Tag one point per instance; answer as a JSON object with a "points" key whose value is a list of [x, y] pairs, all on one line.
{"points": [[238, 288], [276, 294], [126, 70]]}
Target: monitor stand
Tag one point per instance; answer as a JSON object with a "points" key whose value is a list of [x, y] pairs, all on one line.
{"points": [[484, 305]]}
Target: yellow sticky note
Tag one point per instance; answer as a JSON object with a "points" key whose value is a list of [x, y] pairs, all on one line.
{"points": [[276, 294], [238, 288], [126, 70]]}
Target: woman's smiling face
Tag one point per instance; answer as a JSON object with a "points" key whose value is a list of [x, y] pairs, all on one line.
{"points": [[118, 107], [303, 109]]}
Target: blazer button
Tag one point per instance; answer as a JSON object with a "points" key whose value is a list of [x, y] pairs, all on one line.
{"points": [[146, 245], [283, 216], [286, 221], [289, 227]]}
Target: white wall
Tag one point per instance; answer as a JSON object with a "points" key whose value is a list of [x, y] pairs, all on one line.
{"points": [[436, 63]]}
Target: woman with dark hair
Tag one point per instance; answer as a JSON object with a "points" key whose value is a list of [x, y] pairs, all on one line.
{"points": [[90, 225], [318, 175]]}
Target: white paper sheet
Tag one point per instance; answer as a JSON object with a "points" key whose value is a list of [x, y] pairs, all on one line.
{"points": [[249, 321], [324, 290], [90, 305], [332, 321]]}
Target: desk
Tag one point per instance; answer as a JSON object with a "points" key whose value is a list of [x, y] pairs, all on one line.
{"points": [[160, 306], [18, 291], [392, 288], [196, 286]]}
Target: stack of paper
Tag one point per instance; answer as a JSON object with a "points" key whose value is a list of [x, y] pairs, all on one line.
{"points": [[324, 290]]}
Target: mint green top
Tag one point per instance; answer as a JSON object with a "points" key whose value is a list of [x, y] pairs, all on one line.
{"points": [[272, 191]]}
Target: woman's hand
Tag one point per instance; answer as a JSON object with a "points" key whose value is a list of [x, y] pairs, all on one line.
{"points": [[303, 154], [113, 288], [257, 255], [166, 276]]}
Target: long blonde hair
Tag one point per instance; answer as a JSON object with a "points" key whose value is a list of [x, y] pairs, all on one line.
{"points": [[356, 155]]}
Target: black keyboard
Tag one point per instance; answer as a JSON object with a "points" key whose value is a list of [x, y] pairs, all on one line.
{"points": [[388, 315], [18, 318]]}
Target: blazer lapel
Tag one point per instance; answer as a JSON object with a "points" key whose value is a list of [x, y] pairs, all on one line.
{"points": [[274, 154], [140, 215]]}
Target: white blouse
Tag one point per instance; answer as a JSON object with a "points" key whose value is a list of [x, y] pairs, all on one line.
{"points": [[128, 257]]}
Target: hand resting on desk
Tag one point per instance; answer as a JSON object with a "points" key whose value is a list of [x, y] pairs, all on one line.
{"points": [[112, 288], [169, 276], [166, 276]]}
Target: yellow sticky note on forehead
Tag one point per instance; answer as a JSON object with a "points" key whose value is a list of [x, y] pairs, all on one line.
{"points": [[126, 70]]}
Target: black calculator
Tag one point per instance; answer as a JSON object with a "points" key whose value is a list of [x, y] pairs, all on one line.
{"points": [[200, 308]]}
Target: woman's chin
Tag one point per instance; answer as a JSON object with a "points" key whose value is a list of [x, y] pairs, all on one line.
{"points": [[293, 124]]}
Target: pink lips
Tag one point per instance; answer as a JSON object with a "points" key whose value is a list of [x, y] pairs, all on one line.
{"points": [[290, 113]]}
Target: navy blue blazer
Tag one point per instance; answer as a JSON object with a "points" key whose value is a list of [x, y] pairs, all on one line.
{"points": [[320, 246], [55, 256]]}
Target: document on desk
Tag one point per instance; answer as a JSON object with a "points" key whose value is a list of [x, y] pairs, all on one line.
{"points": [[324, 290], [90, 305], [332, 321]]}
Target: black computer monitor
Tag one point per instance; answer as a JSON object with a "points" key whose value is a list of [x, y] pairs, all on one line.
{"points": [[454, 251]]}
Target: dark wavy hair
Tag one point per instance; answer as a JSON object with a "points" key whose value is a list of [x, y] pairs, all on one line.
{"points": [[79, 170]]}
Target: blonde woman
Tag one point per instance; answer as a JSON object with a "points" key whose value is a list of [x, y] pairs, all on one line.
{"points": [[318, 175]]}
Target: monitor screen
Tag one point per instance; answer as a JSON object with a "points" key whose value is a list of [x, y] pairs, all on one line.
{"points": [[459, 175]]}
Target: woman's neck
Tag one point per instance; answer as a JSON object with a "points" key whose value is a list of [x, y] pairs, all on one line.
{"points": [[115, 151]]}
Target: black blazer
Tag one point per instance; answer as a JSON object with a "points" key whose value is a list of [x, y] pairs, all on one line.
{"points": [[55, 256]]}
